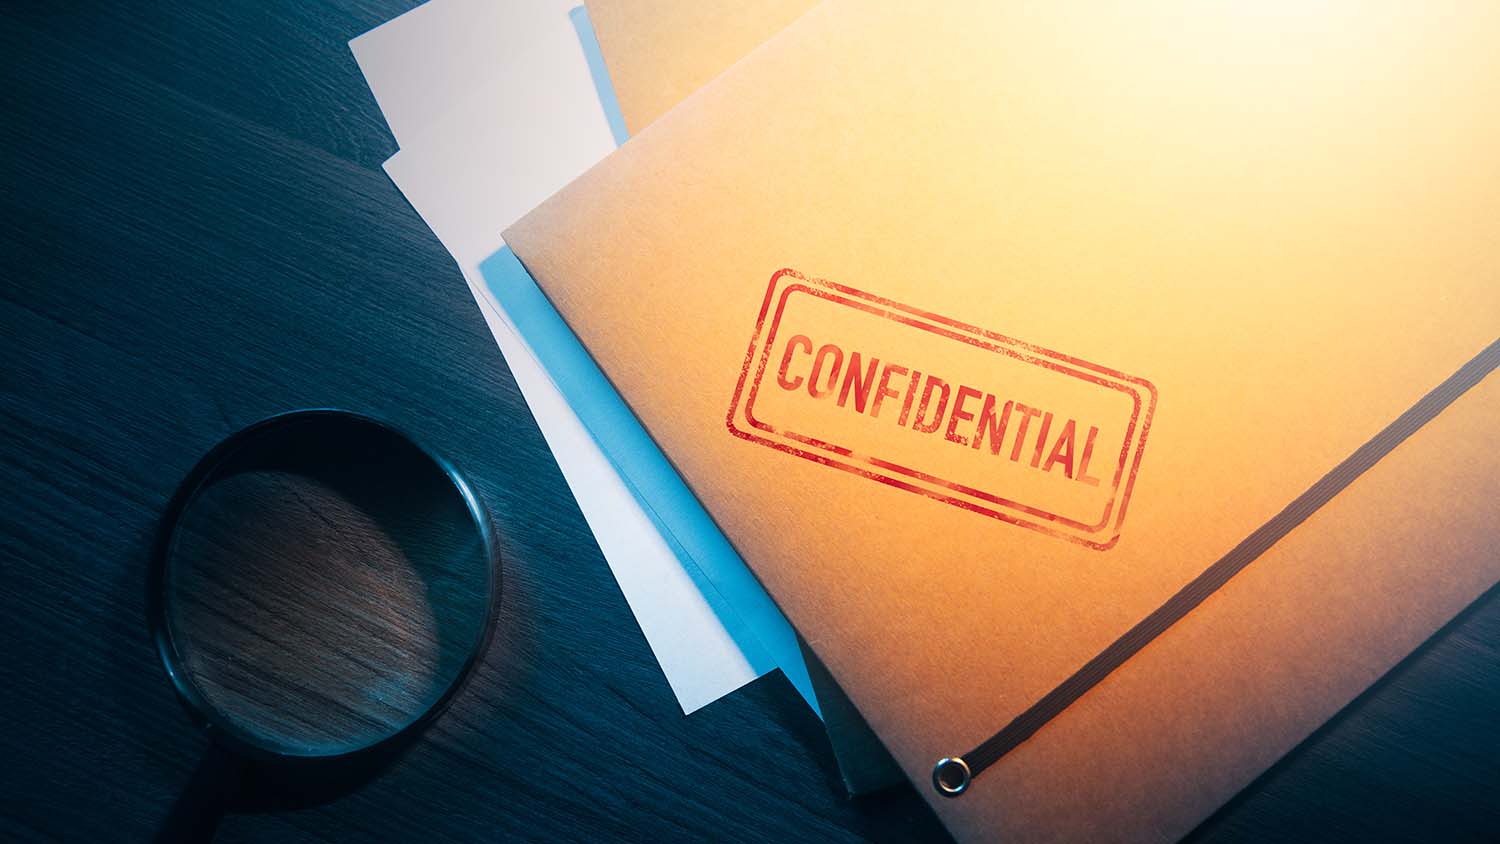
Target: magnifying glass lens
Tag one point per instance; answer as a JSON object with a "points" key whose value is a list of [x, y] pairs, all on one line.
{"points": [[325, 590]]}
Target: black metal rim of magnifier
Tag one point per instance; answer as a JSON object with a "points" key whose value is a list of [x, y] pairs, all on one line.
{"points": [[207, 470]]}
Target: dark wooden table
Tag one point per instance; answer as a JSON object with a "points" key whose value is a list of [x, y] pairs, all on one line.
{"points": [[197, 233]]}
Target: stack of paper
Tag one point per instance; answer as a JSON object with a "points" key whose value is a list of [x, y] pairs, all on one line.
{"points": [[1104, 397], [1112, 382]]}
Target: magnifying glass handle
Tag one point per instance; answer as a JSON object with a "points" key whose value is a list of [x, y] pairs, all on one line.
{"points": [[196, 814]]}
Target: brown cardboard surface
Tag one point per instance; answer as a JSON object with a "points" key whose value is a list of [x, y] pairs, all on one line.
{"points": [[1193, 718], [1284, 220], [660, 51]]}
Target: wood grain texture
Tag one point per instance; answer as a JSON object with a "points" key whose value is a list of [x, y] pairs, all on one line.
{"points": [[196, 234]]}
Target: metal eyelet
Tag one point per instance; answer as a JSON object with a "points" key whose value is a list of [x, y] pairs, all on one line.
{"points": [[951, 776]]}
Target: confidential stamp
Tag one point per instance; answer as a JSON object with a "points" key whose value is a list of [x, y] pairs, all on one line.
{"points": [[934, 406]]}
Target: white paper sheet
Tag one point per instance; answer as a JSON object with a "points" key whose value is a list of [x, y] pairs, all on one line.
{"points": [[495, 110]]}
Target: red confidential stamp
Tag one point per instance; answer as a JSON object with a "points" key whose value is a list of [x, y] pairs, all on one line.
{"points": [[943, 409]]}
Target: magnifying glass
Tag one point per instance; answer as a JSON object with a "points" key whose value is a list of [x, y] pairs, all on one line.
{"points": [[319, 589]]}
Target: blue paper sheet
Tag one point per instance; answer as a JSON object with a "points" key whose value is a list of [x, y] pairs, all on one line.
{"points": [[760, 630]]}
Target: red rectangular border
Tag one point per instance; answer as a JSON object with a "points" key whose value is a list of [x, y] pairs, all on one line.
{"points": [[1141, 391]]}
